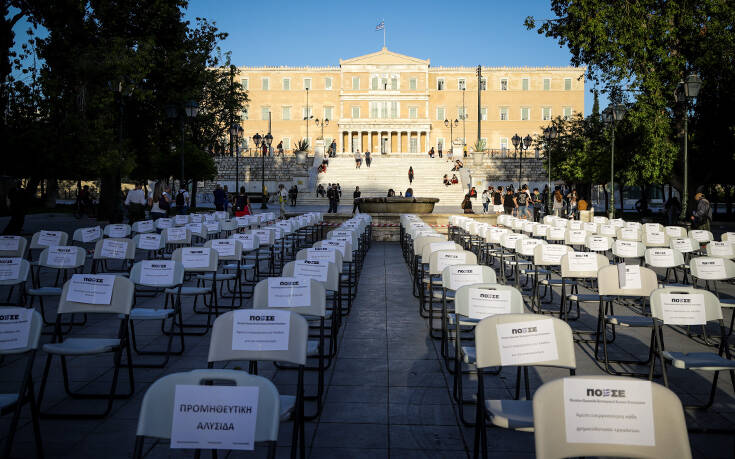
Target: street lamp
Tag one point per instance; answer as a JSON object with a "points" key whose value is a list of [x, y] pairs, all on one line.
{"points": [[611, 115], [686, 92], [451, 125], [321, 124], [464, 121], [235, 133], [523, 144], [549, 135], [191, 110], [307, 118]]}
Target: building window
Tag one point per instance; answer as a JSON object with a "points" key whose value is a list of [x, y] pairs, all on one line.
{"points": [[547, 84], [286, 113], [462, 113], [546, 113], [394, 110], [307, 83], [567, 112], [245, 83], [306, 112], [265, 112], [524, 84], [413, 84], [374, 110], [328, 113], [244, 114], [394, 83], [286, 84], [525, 114], [374, 83], [440, 84], [483, 113], [440, 113], [503, 84], [461, 84], [356, 112], [265, 83], [567, 84], [503, 113], [328, 83], [413, 144], [503, 143], [413, 112], [483, 84], [355, 82]]}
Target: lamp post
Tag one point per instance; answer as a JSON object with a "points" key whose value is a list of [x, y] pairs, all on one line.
{"points": [[451, 125], [549, 135], [523, 144], [235, 133], [611, 115], [306, 118], [686, 92], [464, 120], [321, 124], [191, 110], [268, 140], [479, 108]]}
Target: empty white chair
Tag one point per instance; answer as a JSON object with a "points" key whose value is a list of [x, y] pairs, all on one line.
{"points": [[13, 246]]}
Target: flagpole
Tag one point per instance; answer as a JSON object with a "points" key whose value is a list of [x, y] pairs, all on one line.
{"points": [[384, 33]]}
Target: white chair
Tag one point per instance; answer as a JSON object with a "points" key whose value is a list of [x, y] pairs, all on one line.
{"points": [[9, 279], [626, 250], [64, 261], [117, 230], [229, 253], [546, 257], [577, 267], [713, 271], [113, 250], [44, 239], [438, 261], [665, 258], [721, 250], [143, 227], [208, 263], [13, 246]]}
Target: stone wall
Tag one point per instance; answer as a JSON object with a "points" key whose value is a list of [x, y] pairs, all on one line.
{"points": [[505, 169]]}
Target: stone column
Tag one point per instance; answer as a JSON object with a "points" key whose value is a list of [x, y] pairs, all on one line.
{"points": [[428, 140], [340, 147], [370, 141]]}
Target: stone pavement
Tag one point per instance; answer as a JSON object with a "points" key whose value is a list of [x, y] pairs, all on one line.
{"points": [[388, 392]]}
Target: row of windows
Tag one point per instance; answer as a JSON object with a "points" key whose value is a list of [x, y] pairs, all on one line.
{"points": [[384, 83]]}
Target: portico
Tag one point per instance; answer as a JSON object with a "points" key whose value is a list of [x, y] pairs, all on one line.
{"points": [[399, 137]]}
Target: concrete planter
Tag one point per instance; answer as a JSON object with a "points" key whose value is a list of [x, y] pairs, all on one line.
{"points": [[300, 157], [477, 158], [396, 205]]}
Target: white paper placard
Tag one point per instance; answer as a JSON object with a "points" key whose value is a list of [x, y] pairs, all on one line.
{"points": [[195, 257], [242, 221], [90, 288], [220, 215], [629, 234], [164, 223], [9, 242], [9, 268], [157, 272], [607, 230], [338, 244], [527, 342], [552, 253], [49, 238], [196, 218], [460, 276], [598, 243], [149, 241], [590, 226], [114, 249], [224, 247], [661, 257], [289, 292], [617, 222], [575, 225], [322, 253], [528, 244], [577, 236], [264, 236], [560, 223], [541, 229], [448, 258], [194, 228], [730, 236], [721, 249], [435, 246], [277, 231], [673, 231], [683, 245], [485, 303], [257, 330], [181, 220], [509, 240], [311, 269], [214, 417], [556, 233], [62, 256], [683, 309], [117, 230], [582, 262], [91, 234], [15, 327], [655, 237], [699, 235], [626, 248], [212, 227], [629, 276], [611, 411], [145, 226], [176, 234], [710, 268], [247, 240]]}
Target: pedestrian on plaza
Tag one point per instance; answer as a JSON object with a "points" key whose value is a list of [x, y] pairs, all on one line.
{"points": [[455, 180], [498, 199], [18, 206], [339, 190], [573, 210], [280, 148], [410, 174], [219, 198], [320, 191], [439, 150], [467, 204], [368, 159], [558, 204], [282, 199], [242, 204], [409, 193], [333, 196], [431, 152], [295, 195], [673, 209], [537, 205], [523, 198], [181, 201], [391, 193], [464, 150], [333, 149], [473, 193], [446, 180], [135, 202], [509, 202], [485, 200], [355, 196], [358, 159], [702, 215], [264, 148]]}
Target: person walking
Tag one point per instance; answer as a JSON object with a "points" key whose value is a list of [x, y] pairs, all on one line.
{"points": [[485, 200], [333, 196], [558, 204], [280, 148], [18, 206], [431, 152], [537, 205], [295, 195], [410, 175], [135, 202], [509, 202], [498, 199], [355, 196], [181, 207], [368, 159], [333, 149], [467, 204], [702, 215], [358, 159], [219, 197], [282, 199], [439, 150], [522, 198], [464, 150]]}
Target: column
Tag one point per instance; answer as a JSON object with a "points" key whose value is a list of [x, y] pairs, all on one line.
{"points": [[428, 140], [341, 141], [390, 141]]}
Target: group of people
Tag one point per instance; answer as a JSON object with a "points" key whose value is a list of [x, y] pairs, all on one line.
{"points": [[358, 159], [333, 192], [450, 154], [527, 204], [450, 181]]}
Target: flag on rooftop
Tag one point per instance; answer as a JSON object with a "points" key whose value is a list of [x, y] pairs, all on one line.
{"points": [[380, 26]]}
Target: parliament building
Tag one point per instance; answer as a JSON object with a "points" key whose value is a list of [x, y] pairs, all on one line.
{"points": [[388, 102]]}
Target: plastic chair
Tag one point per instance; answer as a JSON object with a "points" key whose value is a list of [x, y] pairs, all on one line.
{"points": [[545, 257], [577, 267], [230, 256], [720, 250], [201, 289], [144, 227], [438, 261], [108, 250], [13, 246], [70, 262], [625, 250], [117, 230], [19, 281], [712, 271], [665, 258], [44, 239]]}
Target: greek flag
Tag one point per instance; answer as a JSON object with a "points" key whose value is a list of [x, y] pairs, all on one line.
{"points": [[380, 26]]}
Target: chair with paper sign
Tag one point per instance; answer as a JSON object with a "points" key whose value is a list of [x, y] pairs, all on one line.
{"points": [[198, 232], [579, 267], [248, 261], [625, 251], [14, 273], [13, 402], [416, 262], [154, 275], [293, 352], [670, 438], [493, 350], [720, 249], [473, 303], [703, 237], [713, 271], [113, 300], [229, 253], [523, 262], [665, 258], [198, 260], [637, 284], [44, 239], [152, 244], [432, 284], [117, 230], [347, 270], [143, 227], [702, 307], [13, 246], [62, 261], [158, 409], [508, 257], [87, 237], [120, 251], [629, 233], [176, 238], [546, 257]]}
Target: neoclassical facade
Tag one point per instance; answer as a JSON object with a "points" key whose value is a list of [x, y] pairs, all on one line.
{"points": [[389, 102]]}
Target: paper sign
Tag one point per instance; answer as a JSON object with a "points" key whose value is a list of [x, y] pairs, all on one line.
{"points": [[561, 223], [322, 254], [49, 238], [607, 230], [527, 246], [509, 241], [485, 303], [212, 227], [526, 342], [224, 247], [721, 249], [15, 327], [574, 225], [157, 272], [242, 221], [448, 258], [62, 256], [181, 220], [9, 268], [598, 243], [264, 236], [117, 230], [629, 234], [552, 253], [289, 292], [655, 237], [610, 411], [214, 417], [728, 237], [194, 228], [247, 240], [164, 223], [340, 245], [149, 241], [194, 258], [590, 226], [90, 288], [629, 276], [220, 215], [683, 245], [9, 242], [577, 237], [626, 248], [259, 330], [710, 268], [683, 309], [582, 262], [661, 257], [196, 218], [91, 234], [311, 269], [462, 275], [435, 246], [617, 222], [556, 233], [700, 235], [114, 249], [176, 235], [673, 231], [145, 226]]}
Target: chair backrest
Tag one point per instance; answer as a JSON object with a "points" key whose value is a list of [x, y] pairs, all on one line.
{"points": [[87, 235], [13, 270], [266, 237], [149, 241], [145, 226], [608, 230], [701, 236], [608, 281], [440, 259], [628, 249], [329, 254], [721, 249], [710, 268], [220, 343], [496, 337], [728, 237], [550, 254], [629, 233], [65, 256], [495, 235], [178, 235], [685, 306], [675, 231], [13, 246], [456, 276], [684, 244], [343, 245], [117, 230], [248, 240], [322, 271], [582, 265], [34, 331], [540, 230], [478, 301], [196, 259], [275, 293], [436, 246], [510, 239], [227, 249], [555, 440], [156, 410], [526, 246], [655, 238], [196, 229], [181, 220], [44, 238], [164, 223], [114, 249], [120, 302], [664, 257], [576, 237], [556, 233], [598, 243], [157, 273]]}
